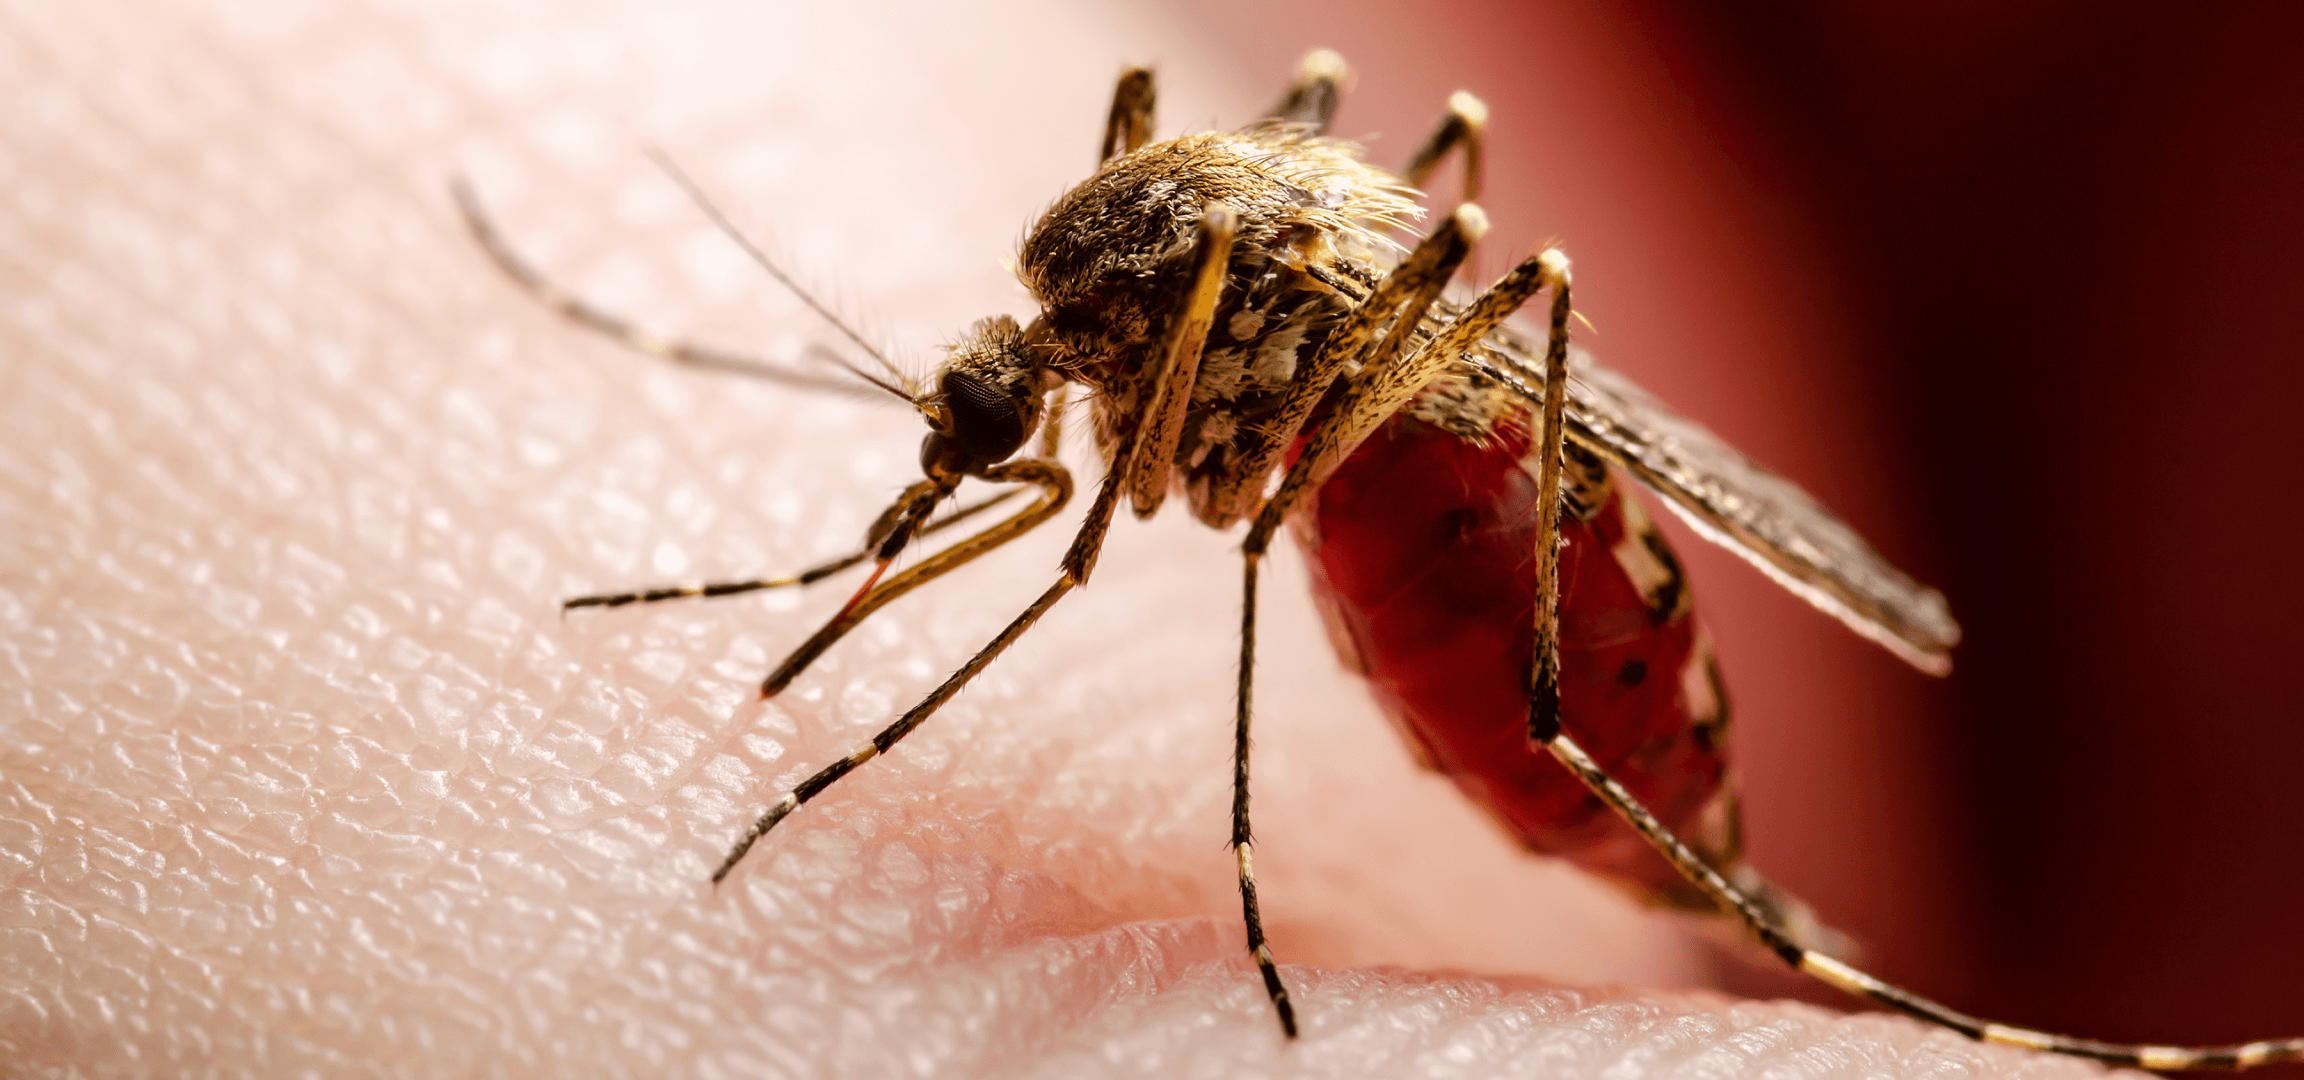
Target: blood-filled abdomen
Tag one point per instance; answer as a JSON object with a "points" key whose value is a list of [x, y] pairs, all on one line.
{"points": [[1422, 549]]}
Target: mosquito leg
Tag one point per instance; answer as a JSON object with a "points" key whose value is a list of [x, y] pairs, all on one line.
{"points": [[1130, 125], [1242, 839], [809, 576], [1056, 490], [1401, 299], [1318, 87], [1551, 436], [713, 589], [1465, 126], [1152, 453], [1848, 978]]}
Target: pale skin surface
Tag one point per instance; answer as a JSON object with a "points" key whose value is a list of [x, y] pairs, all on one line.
{"points": [[299, 767]]}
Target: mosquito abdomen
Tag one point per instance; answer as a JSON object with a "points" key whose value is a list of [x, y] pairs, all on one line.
{"points": [[1423, 560]]}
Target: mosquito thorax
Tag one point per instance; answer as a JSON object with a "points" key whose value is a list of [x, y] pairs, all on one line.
{"points": [[1104, 260], [1107, 260], [986, 403]]}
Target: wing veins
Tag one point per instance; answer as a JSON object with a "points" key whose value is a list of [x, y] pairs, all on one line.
{"points": [[1762, 517]]}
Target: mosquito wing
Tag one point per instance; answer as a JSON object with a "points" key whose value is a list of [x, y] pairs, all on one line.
{"points": [[1736, 504]]}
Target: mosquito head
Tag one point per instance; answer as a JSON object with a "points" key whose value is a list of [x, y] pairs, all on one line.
{"points": [[987, 401]]}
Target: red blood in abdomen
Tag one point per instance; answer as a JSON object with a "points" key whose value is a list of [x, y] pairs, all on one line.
{"points": [[1423, 554]]}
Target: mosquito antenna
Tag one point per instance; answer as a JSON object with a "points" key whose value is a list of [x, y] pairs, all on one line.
{"points": [[830, 357], [711, 210]]}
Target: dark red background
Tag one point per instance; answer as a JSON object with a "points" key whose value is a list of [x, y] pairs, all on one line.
{"points": [[2016, 288], [2077, 234]]}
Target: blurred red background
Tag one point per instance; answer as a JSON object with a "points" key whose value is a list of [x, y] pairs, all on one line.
{"points": [[2014, 287]]}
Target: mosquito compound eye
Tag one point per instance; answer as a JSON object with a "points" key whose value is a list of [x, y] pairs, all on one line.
{"points": [[989, 394], [987, 416]]}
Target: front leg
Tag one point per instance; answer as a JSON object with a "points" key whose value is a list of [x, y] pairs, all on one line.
{"points": [[714, 589], [1152, 455], [1056, 489], [1367, 402]]}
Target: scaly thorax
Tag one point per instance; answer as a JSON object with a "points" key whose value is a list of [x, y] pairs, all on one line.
{"points": [[1103, 262]]}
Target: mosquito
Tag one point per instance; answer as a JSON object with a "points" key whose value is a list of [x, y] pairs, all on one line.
{"points": [[1253, 339]]}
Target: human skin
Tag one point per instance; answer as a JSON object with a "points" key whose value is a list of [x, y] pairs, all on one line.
{"points": [[302, 769]]}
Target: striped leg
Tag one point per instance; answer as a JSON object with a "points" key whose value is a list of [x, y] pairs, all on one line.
{"points": [[1368, 401], [1243, 840], [1056, 490], [889, 536], [1848, 978], [893, 733], [1551, 438], [1402, 298], [810, 576]]}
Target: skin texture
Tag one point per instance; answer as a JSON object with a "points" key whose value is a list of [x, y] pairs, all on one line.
{"points": [[300, 768]]}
